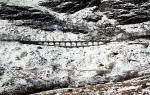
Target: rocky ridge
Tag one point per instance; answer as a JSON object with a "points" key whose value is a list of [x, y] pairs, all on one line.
{"points": [[129, 12]]}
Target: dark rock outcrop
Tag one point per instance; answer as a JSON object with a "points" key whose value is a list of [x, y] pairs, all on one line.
{"points": [[2, 71], [36, 19], [93, 18], [31, 17], [136, 1], [129, 13], [70, 6]]}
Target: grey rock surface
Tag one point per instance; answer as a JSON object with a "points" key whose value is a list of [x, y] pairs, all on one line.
{"points": [[128, 13]]}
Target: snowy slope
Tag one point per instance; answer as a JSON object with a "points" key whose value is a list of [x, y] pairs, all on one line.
{"points": [[28, 66], [26, 69]]}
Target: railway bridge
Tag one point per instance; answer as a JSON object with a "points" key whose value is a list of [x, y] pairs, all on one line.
{"points": [[61, 43]]}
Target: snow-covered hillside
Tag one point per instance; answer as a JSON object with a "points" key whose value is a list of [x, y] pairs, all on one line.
{"points": [[27, 69], [28, 66]]}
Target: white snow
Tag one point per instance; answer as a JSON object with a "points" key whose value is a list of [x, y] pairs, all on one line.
{"points": [[33, 3], [127, 88], [27, 66], [80, 64]]}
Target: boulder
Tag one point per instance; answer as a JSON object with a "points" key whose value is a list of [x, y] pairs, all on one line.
{"points": [[93, 18]]}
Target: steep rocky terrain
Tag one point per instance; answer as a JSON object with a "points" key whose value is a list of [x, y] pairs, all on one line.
{"points": [[129, 13], [69, 6], [120, 65], [137, 86]]}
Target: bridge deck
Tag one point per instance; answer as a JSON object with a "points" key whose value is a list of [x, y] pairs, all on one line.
{"points": [[62, 43]]}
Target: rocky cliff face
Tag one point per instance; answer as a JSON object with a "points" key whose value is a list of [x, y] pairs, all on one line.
{"points": [[120, 61], [70, 6], [130, 12]]}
